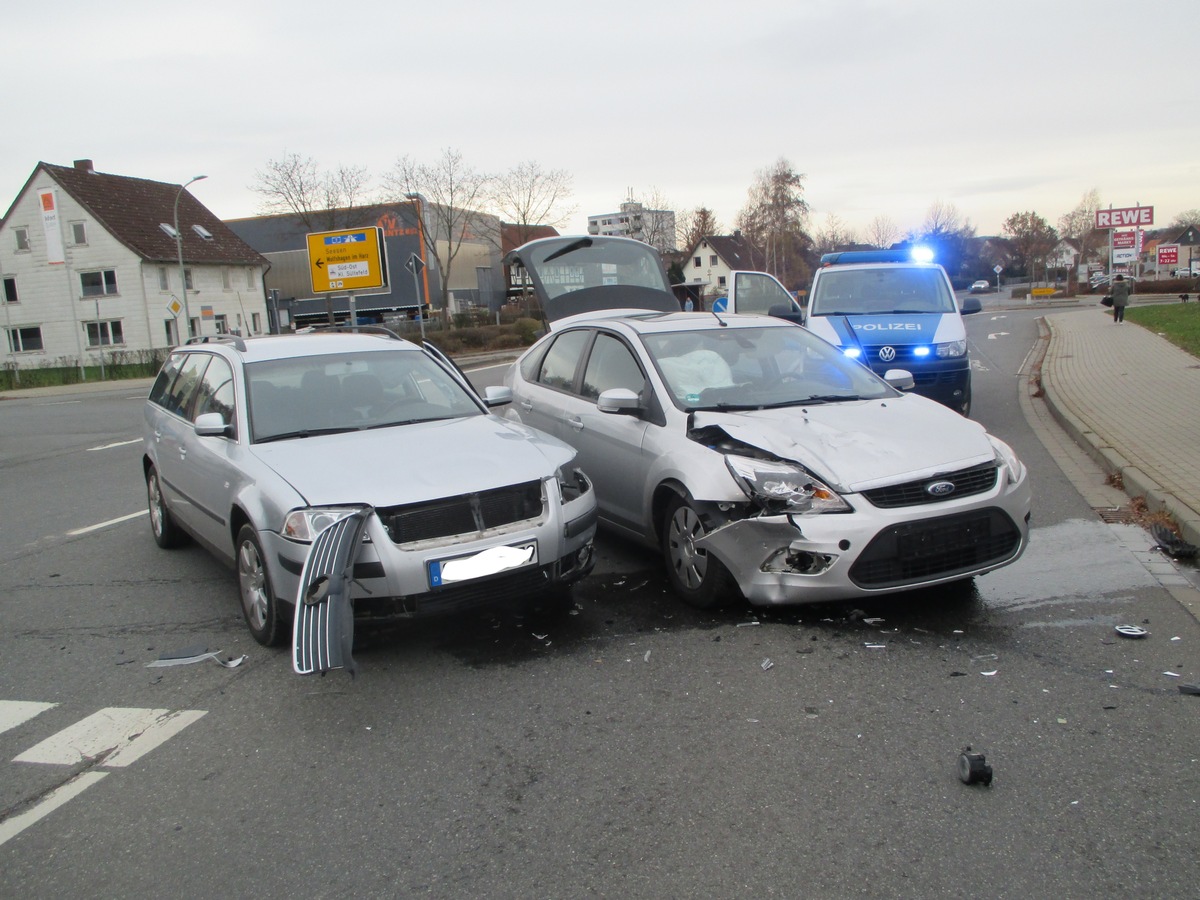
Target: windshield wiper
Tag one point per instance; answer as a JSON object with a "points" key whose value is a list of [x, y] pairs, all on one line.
{"points": [[828, 398], [302, 433], [570, 248]]}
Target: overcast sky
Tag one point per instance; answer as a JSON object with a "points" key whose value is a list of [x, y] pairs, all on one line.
{"points": [[884, 107]]}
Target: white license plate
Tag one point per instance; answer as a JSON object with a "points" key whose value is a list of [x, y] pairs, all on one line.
{"points": [[481, 564]]}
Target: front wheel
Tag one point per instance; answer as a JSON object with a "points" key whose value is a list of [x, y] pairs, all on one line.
{"points": [[166, 533], [701, 580], [259, 604]]}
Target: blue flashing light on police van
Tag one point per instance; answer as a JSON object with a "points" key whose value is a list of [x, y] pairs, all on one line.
{"points": [[852, 352], [919, 254], [922, 254], [920, 351]]}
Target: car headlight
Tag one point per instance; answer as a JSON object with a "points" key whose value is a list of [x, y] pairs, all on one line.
{"points": [[784, 487], [1008, 458], [305, 524], [951, 349], [572, 485]]}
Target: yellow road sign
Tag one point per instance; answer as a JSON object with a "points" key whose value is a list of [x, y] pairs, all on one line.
{"points": [[1041, 291], [347, 261]]}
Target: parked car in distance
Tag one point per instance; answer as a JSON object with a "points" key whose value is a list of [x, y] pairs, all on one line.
{"points": [[255, 446], [758, 458], [982, 286]]}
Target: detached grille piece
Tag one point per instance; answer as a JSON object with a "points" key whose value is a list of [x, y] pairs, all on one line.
{"points": [[936, 548], [462, 515], [975, 480]]}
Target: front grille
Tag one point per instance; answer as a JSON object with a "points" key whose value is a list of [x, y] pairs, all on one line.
{"points": [[936, 548], [975, 480], [517, 585], [463, 515]]}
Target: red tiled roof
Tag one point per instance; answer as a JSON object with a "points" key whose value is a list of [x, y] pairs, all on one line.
{"points": [[132, 208]]}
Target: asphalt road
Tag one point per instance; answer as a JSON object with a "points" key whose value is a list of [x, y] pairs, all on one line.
{"points": [[626, 746]]}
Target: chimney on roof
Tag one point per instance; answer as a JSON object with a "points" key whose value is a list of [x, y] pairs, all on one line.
{"points": [[85, 165]]}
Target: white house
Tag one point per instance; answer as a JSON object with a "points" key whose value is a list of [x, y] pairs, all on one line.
{"points": [[90, 263], [707, 264]]}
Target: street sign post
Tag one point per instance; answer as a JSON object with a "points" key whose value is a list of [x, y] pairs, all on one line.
{"points": [[415, 265]]}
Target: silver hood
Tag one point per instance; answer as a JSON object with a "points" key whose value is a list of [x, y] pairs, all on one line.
{"points": [[413, 463], [862, 444]]}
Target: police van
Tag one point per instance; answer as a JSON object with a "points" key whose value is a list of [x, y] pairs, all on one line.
{"points": [[896, 309]]}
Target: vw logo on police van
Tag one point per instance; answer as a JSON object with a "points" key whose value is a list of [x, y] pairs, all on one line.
{"points": [[939, 488], [887, 354]]}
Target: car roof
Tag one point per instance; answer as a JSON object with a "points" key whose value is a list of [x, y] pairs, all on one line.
{"points": [[288, 346]]}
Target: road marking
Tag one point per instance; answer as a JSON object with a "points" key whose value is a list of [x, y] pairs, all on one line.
{"points": [[117, 444], [119, 735], [10, 828], [17, 712], [99, 525], [58, 403], [997, 334]]}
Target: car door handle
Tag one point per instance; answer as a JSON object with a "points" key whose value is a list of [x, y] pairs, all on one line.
{"points": [[182, 452], [157, 436], [527, 405], [575, 422]]}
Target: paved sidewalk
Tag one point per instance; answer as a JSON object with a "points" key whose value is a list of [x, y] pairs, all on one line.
{"points": [[1133, 399]]}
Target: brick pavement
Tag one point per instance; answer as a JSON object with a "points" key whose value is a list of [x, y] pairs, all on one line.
{"points": [[1134, 399]]}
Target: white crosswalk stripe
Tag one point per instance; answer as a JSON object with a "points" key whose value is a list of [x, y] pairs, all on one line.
{"points": [[111, 738]]}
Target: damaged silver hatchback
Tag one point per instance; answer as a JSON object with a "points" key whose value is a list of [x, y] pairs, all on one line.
{"points": [[356, 472], [755, 455]]}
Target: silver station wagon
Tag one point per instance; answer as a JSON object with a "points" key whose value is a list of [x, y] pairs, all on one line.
{"points": [[756, 456], [256, 447]]}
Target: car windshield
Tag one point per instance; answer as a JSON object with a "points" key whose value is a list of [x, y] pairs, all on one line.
{"points": [[880, 291], [758, 368], [595, 263], [309, 395]]}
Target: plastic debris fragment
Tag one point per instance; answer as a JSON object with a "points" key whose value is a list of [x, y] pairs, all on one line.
{"points": [[973, 768], [1131, 631]]}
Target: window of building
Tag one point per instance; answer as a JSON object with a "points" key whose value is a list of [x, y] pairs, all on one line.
{"points": [[222, 323], [164, 279], [721, 281], [25, 340], [712, 260], [226, 278], [250, 277], [10, 290], [102, 334], [172, 327], [696, 263], [79, 233], [256, 322], [97, 284], [187, 280], [22, 238]]}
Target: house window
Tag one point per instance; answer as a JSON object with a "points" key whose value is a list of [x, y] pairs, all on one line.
{"points": [[187, 280], [79, 233], [222, 323], [696, 263], [256, 322], [10, 290], [172, 328], [104, 333], [249, 277], [164, 280], [97, 284], [226, 278], [712, 260], [24, 340], [22, 239], [721, 281]]}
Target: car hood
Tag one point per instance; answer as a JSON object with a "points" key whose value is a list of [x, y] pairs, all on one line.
{"points": [[862, 444], [414, 463]]}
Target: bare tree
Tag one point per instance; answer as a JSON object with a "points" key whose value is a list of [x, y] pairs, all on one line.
{"points": [[1079, 225], [322, 200], [452, 192], [833, 235], [882, 232], [1186, 218], [653, 221], [949, 235], [774, 221], [528, 195], [1032, 238], [693, 225]]}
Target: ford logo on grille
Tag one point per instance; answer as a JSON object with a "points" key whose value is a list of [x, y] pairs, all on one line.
{"points": [[887, 354], [939, 488]]}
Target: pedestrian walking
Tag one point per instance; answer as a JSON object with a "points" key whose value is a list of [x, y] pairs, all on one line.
{"points": [[1120, 298]]}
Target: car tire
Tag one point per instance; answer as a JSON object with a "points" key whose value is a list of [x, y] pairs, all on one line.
{"points": [[259, 603], [699, 579], [167, 533]]}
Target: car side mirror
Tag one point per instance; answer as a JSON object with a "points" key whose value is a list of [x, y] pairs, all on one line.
{"points": [[497, 395], [621, 401], [211, 425], [900, 379], [971, 305]]}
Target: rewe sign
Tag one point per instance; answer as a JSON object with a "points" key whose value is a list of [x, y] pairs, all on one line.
{"points": [[1125, 218]]}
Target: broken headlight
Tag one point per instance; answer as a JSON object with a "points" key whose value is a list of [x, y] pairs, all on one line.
{"points": [[784, 487], [305, 524]]}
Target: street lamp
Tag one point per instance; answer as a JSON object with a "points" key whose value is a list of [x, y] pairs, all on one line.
{"points": [[187, 316]]}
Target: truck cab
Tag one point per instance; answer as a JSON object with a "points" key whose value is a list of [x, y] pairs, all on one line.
{"points": [[893, 310]]}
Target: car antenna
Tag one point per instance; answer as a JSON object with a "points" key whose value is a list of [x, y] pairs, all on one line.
{"points": [[724, 324]]}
